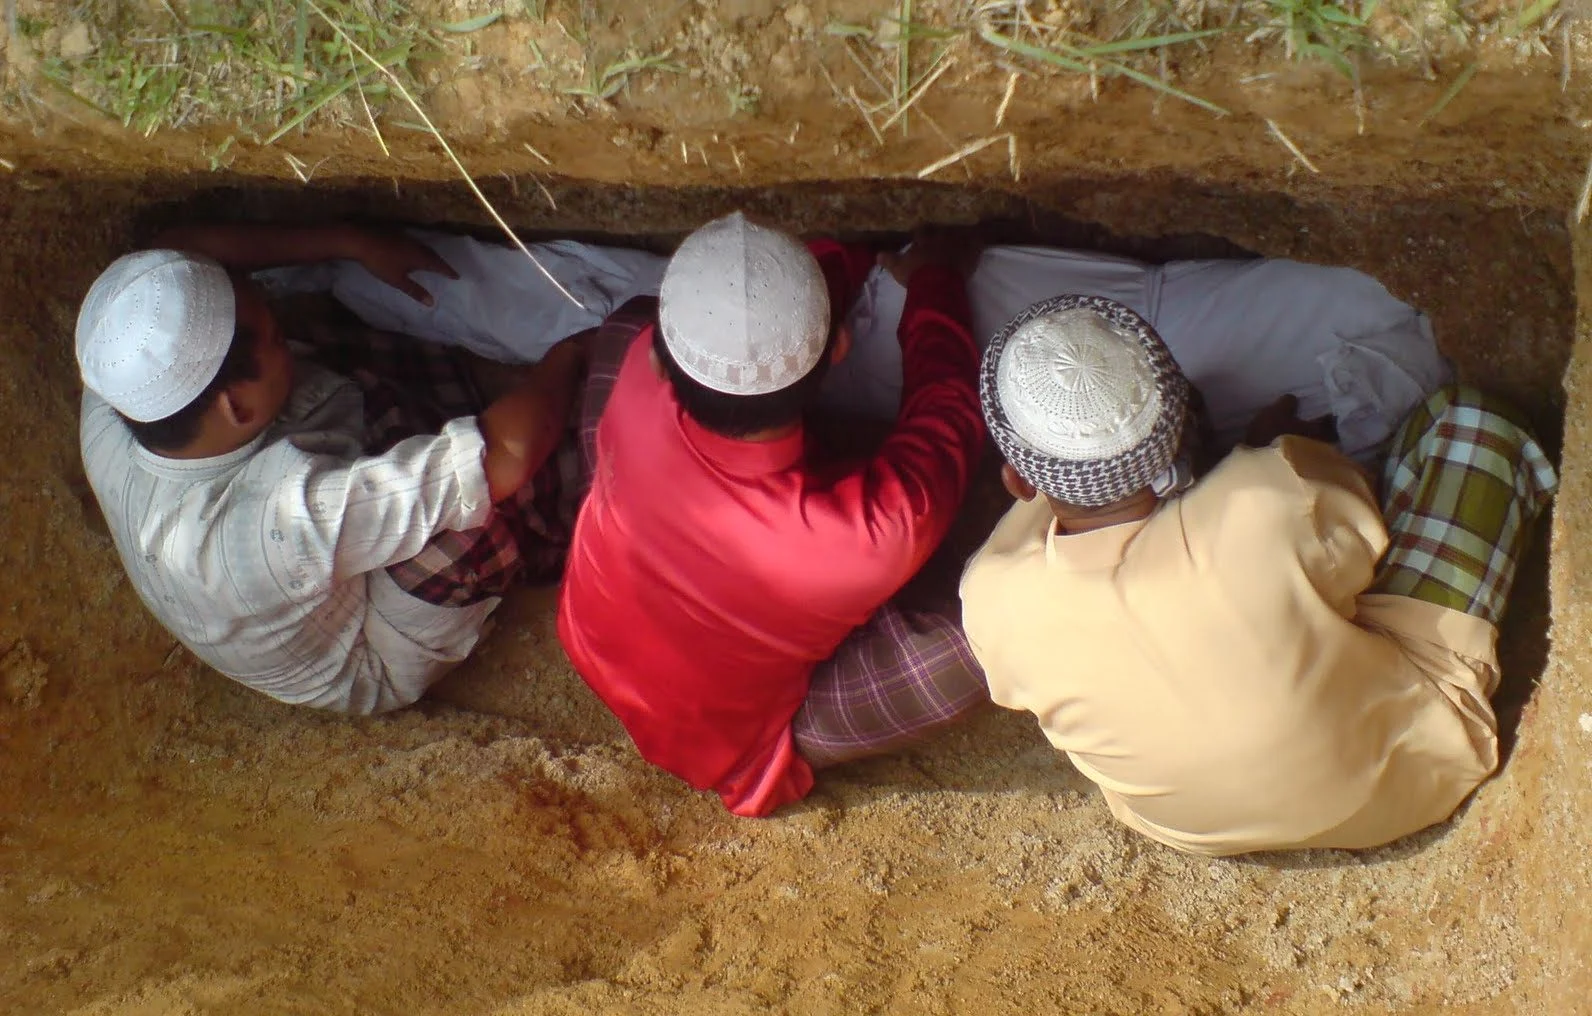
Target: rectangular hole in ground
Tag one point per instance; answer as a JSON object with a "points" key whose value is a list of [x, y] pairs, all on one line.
{"points": [[1497, 283]]}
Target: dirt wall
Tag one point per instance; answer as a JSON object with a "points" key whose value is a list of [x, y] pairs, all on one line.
{"points": [[171, 843]]}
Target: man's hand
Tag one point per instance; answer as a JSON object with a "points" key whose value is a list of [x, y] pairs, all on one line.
{"points": [[1281, 418], [958, 249], [389, 255], [394, 257]]}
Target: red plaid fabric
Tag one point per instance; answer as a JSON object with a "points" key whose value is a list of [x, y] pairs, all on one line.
{"points": [[895, 681], [414, 387]]}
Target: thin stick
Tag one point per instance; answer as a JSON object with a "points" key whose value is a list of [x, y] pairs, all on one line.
{"points": [[1287, 143], [1584, 202], [8, 165], [903, 63], [1011, 158], [468, 179], [864, 68], [1566, 55], [739, 167], [1006, 100], [545, 160], [546, 193], [877, 136], [917, 94], [960, 154], [850, 95], [386, 153]]}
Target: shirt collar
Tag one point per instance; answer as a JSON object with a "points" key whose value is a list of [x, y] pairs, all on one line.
{"points": [[199, 469], [1095, 550], [743, 458], [312, 386]]}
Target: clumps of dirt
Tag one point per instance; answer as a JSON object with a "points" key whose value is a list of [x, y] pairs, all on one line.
{"points": [[170, 842], [22, 676]]}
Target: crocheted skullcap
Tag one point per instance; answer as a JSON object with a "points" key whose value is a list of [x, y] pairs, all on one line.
{"points": [[1083, 399]]}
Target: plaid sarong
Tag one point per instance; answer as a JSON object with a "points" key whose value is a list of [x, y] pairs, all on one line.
{"points": [[1462, 485], [895, 681], [414, 387]]}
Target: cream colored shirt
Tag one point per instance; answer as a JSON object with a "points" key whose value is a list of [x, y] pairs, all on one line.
{"points": [[1218, 670]]}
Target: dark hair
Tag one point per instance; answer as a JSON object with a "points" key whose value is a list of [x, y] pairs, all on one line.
{"points": [[742, 415], [180, 428]]}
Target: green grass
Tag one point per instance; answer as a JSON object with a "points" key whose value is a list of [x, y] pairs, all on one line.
{"points": [[269, 67], [1100, 58], [606, 80], [1327, 30], [743, 99], [265, 66]]}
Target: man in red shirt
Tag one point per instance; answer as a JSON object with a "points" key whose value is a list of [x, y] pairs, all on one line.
{"points": [[728, 592]]}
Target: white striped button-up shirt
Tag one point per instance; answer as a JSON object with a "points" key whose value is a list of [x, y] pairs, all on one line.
{"points": [[269, 562]]}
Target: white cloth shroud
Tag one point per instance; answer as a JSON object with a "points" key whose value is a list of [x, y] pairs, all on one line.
{"points": [[1244, 331], [501, 306]]}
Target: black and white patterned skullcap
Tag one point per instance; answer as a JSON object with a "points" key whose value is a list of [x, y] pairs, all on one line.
{"points": [[1084, 399]]}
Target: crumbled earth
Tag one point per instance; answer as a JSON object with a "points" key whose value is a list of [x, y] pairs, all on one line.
{"points": [[171, 843]]}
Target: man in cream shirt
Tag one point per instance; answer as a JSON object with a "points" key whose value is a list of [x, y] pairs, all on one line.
{"points": [[1271, 656]]}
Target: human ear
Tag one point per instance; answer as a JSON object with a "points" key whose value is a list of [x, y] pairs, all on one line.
{"points": [[232, 410], [1015, 485], [237, 409]]}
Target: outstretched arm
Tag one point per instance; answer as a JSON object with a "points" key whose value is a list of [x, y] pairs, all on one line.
{"points": [[921, 473], [390, 256]]}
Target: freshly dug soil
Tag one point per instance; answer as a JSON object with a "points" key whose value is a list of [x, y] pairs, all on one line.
{"points": [[171, 843]]}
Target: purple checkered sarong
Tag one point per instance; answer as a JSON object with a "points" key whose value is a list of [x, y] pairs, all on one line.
{"points": [[413, 387], [895, 681]]}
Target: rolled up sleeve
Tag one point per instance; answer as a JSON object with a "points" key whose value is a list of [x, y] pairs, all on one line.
{"points": [[365, 515]]}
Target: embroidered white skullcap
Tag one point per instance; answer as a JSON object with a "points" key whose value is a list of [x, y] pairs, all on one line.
{"points": [[1076, 388], [1084, 399], [153, 331], [744, 309]]}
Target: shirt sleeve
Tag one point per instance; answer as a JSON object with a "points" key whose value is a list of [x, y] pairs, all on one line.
{"points": [[377, 510], [845, 267], [1346, 520], [919, 476]]}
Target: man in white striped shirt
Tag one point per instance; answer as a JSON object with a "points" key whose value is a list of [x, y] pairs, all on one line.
{"points": [[237, 484]]}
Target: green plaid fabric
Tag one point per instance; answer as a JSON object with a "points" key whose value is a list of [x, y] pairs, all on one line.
{"points": [[1463, 483]]}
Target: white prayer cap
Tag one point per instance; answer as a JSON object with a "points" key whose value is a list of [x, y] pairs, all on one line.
{"points": [[744, 309], [1084, 399], [153, 331]]}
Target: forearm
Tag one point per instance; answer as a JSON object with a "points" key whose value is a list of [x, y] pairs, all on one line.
{"points": [[248, 246], [939, 431], [936, 336], [845, 267], [523, 428]]}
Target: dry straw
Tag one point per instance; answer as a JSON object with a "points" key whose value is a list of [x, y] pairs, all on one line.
{"points": [[432, 128]]}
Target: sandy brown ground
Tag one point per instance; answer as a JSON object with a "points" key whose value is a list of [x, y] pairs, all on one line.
{"points": [[170, 843]]}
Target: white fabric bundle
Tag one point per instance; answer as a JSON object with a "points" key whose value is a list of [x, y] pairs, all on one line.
{"points": [[1245, 332], [500, 307]]}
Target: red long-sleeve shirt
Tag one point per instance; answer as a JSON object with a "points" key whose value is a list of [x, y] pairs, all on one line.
{"points": [[709, 575]]}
